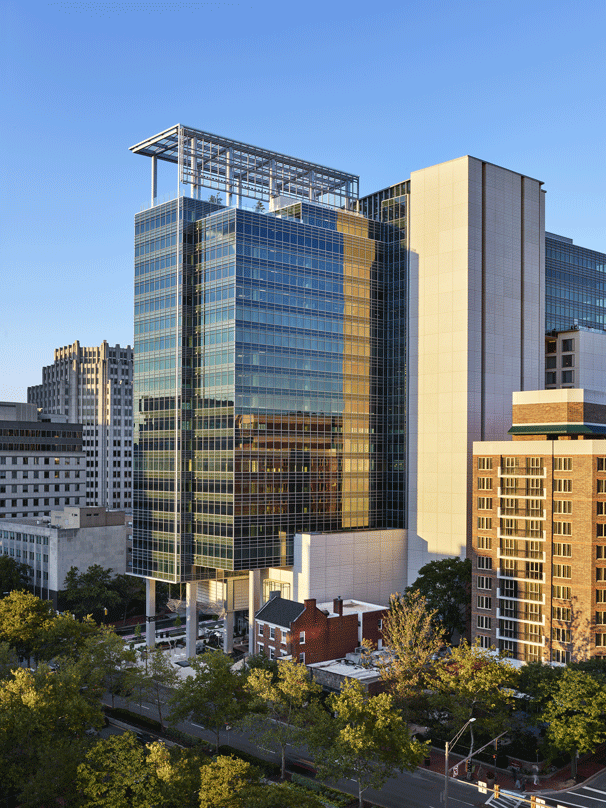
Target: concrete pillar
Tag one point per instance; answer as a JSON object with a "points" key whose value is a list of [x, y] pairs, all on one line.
{"points": [[191, 618], [272, 179], [150, 612], [228, 637], [154, 179], [254, 604]]}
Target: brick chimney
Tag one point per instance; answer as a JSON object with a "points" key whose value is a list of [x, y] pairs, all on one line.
{"points": [[310, 606], [337, 606]]}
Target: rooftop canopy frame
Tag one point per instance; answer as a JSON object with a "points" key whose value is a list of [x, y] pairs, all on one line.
{"points": [[239, 170]]}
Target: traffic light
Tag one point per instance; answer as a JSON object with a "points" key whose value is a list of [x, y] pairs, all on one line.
{"points": [[497, 790]]}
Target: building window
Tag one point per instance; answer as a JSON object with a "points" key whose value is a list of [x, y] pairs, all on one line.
{"points": [[561, 592], [601, 463], [484, 542], [600, 640], [599, 574], [550, 362], [568, 361], [484, 523], [600, 530], [272, 653], [484, 562], [272, 633], [562, 463], [600, 618], [560, 549], [484, 582], [600, 551], [260, 630], [484, 503], [601, 486], [484, 483], [550, 378], [567, 377], [301, 638], [562, 571], [302, 658], [260, 648], [559, 655], [563, 613], [551, 346], [567, 345], [484, 621], [562, 506], [484, 641], [564, 486], [562, 528], [484, 463]]}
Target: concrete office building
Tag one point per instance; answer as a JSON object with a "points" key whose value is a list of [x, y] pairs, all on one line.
{"points": [[539, 530], [42, 465], [576, 358], [93, 386], [321, 369], [72, 537]]}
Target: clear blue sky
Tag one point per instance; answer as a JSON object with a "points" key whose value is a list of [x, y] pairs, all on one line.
{"points": [[378, 89]]}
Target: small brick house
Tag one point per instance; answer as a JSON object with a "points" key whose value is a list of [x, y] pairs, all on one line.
{"points": [[311, 632]]}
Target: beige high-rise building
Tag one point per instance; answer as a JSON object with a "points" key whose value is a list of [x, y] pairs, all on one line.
{"points": [[476, 325], [539, 543], [94, 387]]}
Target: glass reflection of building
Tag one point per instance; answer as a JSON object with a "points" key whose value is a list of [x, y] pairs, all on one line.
{"points": [[268, 373], [575, 285]]}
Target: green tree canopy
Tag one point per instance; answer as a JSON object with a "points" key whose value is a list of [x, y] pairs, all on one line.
{"points": [[478, 683], [23, 620], [213, 696], [13, 575], [446, 587], [575, 712], [90, 592], [290, 703], [413, 636], [65, 637], [105, 659], [365, 739], [159, 674]]}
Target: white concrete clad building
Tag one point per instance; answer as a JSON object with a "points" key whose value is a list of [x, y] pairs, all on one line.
{"points": [[72, 537], [576, 358], [476, 319], [94, 387]]}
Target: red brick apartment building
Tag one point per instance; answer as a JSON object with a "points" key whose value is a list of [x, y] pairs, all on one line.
{"points": [[315, 633], [539, 530]]}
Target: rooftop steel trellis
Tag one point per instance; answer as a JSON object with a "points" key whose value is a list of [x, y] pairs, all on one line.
{"points": [[241, 170]]}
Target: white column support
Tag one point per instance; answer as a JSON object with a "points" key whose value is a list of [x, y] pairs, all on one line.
{"points": [[272, 179], [191, 618], [150, 612], [228, 636], [154, 179], [239, 199], [254, 604], [193, 162]]}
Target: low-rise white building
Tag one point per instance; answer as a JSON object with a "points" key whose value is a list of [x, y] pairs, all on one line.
{"points": [[72, 537]]}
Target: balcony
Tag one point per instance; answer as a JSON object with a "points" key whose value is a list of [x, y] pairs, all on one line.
{"points": [[522, 493], [522, 513], [522, 555], [530, 639], [536, 598], [522, 471], [522, 575], [537, 620], [516, 533]]}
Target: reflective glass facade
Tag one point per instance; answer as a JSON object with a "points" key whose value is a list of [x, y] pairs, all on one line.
{"points": [[575, 285], [268, 361]]}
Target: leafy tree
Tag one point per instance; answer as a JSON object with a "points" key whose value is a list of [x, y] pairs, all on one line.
{"points": [[90, 592], [65, 637], [412, 634], [576, 713], [261, 661], [259, 207], [213, 696], [446, 587], [366, 739], [23, 619], [105, 658], [117, 774], [223, 781], [290, 702], [473, 682], [159, 674], [13, 575], [535, 680], [54, 775], [38, 711], [8, 660], [130, 589]]}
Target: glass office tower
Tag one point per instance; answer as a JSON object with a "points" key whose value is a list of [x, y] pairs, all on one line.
{"points": [[262, 382], [575, 285]]}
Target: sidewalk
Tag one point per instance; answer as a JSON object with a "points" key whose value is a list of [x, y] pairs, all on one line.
{"points": [[557, 781]]}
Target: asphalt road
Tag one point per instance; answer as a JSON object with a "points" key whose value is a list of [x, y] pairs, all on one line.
{"points": [[419, 789]]}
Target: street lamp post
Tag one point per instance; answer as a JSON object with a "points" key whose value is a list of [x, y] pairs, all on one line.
{"points": [[447, 750]]}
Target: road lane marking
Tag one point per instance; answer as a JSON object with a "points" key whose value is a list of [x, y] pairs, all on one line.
{"points": [[597, 790]]}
